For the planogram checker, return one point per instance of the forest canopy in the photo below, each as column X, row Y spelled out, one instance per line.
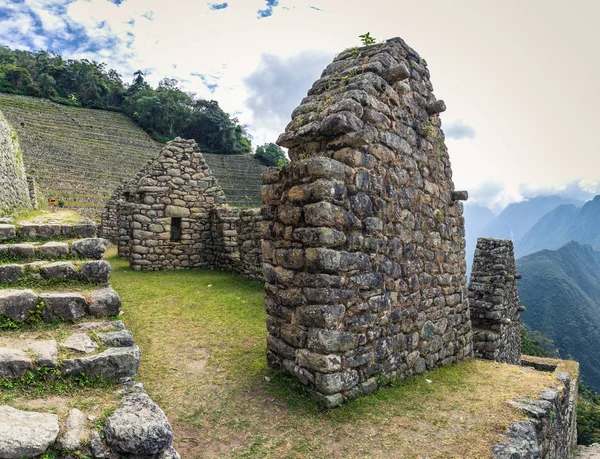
column 164, row 112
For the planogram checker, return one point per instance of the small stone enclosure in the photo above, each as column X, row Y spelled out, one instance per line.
column 364, row 254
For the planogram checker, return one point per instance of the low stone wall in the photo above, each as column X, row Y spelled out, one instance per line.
column 494, row 302
column 551, row 430
column 14, row 189
column 250, row 236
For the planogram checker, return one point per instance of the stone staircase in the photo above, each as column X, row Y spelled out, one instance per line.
column 59, row 323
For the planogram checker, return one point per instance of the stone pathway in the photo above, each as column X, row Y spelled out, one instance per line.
column 81, row 342
column 588, row 452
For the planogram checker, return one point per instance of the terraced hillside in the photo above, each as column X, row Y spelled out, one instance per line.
column 76, row 154
column 240, row 177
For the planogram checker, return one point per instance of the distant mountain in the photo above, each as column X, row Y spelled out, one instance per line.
column 563, row 224
column 477, row 217
column 561, row 290
column 517, row 218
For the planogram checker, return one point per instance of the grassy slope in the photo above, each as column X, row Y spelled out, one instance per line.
column 202, row 335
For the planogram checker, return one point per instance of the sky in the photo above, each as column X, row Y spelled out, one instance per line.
column 518, row 76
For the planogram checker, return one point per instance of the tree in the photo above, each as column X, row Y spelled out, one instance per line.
column 47, row 84
column 270, row 154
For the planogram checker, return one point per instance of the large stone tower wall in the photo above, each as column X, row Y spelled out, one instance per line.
column 364, row 251
column 494, row 302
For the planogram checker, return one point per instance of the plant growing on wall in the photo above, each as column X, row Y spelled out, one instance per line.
column 367, row 39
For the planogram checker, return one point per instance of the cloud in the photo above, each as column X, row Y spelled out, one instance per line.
column 278, row 85
column 268, row 11
column 459, row 130
column 218, row 6
column 583, row 190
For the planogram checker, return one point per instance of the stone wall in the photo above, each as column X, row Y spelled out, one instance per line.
column 364, row 246
column 551, row 430
column 14, row 190
column 494, row 302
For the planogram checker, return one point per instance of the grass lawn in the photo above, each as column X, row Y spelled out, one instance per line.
column 203, row 341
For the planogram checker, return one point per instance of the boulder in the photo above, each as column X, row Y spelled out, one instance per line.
column 13, row 363
column 97, row 271
column 63, row 306
column 105, row 302
column 113, row 364
column 45, row 352
column 90, row 248
column 7, row 232
column 25, row 434
column 10, row 273
column 17, row 304
column 71, row 438
column 121, row 338
column 28, row 230
column 22, row 250
column 80, row 342
column 138, row 426
column 60, row 270
column 54, row 249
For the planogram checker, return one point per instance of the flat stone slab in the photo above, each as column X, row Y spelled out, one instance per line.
column 45, row 352
column 105, row 325
column 14, row 363
column 80, row 342
column 7, row 232
column 113, row 364
column 71, row 439
column 26, row 434
column 60, row 270
column 63, row 306
column 121, row 338
column 54, row 249
column 16, row 304
column 10, row 273
column 22, row 250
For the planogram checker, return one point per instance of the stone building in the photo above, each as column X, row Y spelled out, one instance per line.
column 494, row 302
column 364, row 251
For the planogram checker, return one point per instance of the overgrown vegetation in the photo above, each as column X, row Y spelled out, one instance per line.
column 534, row 342
column 164, row 112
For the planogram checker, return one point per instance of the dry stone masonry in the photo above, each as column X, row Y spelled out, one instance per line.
column 364, row 252
column 494, row 302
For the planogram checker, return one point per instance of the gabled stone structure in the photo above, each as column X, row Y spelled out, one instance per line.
column 494, row 302
column 364, row 252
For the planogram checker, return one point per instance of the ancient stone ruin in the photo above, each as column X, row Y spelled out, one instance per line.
column 365, row 251
column 494, row 302
column 172, row 216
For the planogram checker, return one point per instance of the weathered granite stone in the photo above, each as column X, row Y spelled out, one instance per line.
column 107, row 325
column 22, row 250
column 17, row 304
column 59, row 270
column 104, row 302
column 97, row 271
column 121, row 338
column 99, row 448
column 70, row 440
column 10, row 273
column 25, row 433
column 90, row 248
column 13, row 363
column 54, row 249
column 80, row 342
column 85, row 230
column 45, row 352
column 138, row 426
column 63, row 306
column 7, row 232
column 112, row 364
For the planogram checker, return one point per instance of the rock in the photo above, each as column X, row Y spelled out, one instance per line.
column 87, row 230
column 10, row 273
column 121, row 338
column 25, row 434
column 28, row 230
column 54, row 249
column 80, row 342
column 113, row 324
column 60, row 270
column 138, row 426
column 17, row 304
column 436, row 107
column 90, row 248
column 112, row 364
column 48, row 230
column 13, row 363
column 63, row 306
column 45, row 352
column 22, row 250
column 105, row 302
column 71, row 439
column 169, row 453
column 97, row 271
column 99, row 449
column 7, row 232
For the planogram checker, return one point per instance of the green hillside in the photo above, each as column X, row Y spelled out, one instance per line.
column 561, row 290
column 77, row 154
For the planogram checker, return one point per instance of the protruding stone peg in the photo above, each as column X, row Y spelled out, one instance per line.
column 395, row 74
column 436, row 107
column 521, row 308
column 461, row 195
column 518, row 276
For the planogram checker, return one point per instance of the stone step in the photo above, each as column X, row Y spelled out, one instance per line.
column 42, row 231
column 92, row 272
column 21, row 305
column 92, row 248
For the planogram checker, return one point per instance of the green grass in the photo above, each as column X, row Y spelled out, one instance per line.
column 202, row 335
